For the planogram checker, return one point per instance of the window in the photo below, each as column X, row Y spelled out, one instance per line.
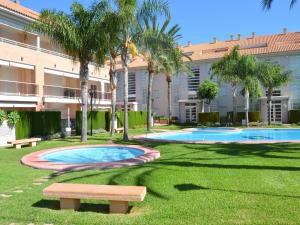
column 194, row 80
column 131, row 87
column 275, row 93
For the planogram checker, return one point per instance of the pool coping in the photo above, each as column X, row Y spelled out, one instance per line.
column 35, row 161
column 143, row 137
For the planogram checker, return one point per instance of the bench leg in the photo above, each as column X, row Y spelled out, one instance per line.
column 18, row 146
column 118, row 207
column 68, row 203
column 32, row 144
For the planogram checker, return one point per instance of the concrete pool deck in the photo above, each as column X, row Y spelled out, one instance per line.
column 35, row 160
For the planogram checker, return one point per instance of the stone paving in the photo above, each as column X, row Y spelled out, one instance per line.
column 36, row 182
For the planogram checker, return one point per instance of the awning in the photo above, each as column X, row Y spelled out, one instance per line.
column 16, row 105
column 21, row 65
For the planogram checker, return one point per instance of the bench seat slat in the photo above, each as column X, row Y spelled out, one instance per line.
column 101, row 192
column 24, row 141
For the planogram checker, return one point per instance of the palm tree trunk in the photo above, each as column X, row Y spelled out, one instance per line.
column 113, row 86
column 234, row 108
column 202, row 106
column 125, row 133
column 84, row 71
column 208, row 107
column 149, row 100
column 169, row 101
column 247, row 106
column 270, row 91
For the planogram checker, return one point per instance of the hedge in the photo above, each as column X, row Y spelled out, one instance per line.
column 135, row 119
column 209, row 117
column 100, row 120
column 38, row 124
column 229, row 117
column 253, row 116
column 294, row 116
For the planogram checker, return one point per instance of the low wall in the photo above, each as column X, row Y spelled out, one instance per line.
column 6, row 133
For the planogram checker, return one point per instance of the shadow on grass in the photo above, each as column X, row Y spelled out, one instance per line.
column 194, row 187
column 84, row 207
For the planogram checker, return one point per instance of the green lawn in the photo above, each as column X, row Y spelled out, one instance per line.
column 188, row 185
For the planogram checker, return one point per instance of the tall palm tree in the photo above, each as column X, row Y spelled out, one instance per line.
column 155, row 44
column 267, row 4
column 271, row 76
column 245, row 67
column 225, row 71
column 129, row 13
column 81, row 35
column 112, row 28
column 174, row 63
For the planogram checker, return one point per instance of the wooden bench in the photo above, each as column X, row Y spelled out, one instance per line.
column 118, row 196
column 18, row 143
column 119, row 130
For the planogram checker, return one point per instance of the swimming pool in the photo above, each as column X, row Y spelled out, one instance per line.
column 90, row 157
column 227, row 135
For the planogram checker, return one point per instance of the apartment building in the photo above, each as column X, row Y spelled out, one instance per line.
column 283, row 48
column 35, row 74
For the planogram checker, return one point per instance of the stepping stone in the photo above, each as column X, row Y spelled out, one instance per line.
column 12, row 224
column 48, row 224
column 37, row 183
column 18, row 191
column 5, row 196
column 40, row 180
column 30, row 224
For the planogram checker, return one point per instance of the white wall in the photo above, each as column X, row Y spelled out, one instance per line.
column 6, row 134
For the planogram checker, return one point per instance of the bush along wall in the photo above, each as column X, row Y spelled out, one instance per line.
column 100, row 120
column 38, row 124
column 135, row 119
column 253, row 116
column 209, row 118
column 294, row 116
column 229, row 117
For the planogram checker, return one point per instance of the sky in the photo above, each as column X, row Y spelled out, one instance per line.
column 201, row 20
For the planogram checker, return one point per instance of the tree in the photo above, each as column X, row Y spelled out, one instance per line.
column 245, row 67
column 153, row 43
column 112, row 31
column 174, row 63
column 267, row 4
column 271, row 76
column 81, row 35
column 129, row 13
column 224, row 70
column 208, row 91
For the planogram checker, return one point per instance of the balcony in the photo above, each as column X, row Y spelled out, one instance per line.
column 59, row 94
column 18, row 91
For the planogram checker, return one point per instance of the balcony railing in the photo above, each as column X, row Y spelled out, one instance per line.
column 61, row 92
column 16, row 88
column 32, row 47
column 71, row 93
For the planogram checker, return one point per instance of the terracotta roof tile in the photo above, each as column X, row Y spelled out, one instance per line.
column 19, row 9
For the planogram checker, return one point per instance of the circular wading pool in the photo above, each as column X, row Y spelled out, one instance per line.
column 90, row 157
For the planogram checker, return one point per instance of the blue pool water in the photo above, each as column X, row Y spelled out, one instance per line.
column 230, row 135
column 93, row 155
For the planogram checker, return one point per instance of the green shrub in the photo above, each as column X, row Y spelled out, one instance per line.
column 135, row 119
column 2, row 116
column 294, row 116
column 12, row 118
column 253, row 116
column 229, row 117
column 209, row 118
column 38, row 124
column 100, row 120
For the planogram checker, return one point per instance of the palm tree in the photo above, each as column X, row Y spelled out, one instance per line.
column 225, row 71
column 268, row 3
column 245, row 67
column 173, row 64
column 155, row 44
column 129, row 13
column 81, row 35
column 112, row 28
column 271, row 76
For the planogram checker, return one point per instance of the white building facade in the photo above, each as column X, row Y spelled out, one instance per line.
column 281, row 48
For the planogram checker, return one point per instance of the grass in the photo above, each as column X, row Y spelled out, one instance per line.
column 188, row 185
